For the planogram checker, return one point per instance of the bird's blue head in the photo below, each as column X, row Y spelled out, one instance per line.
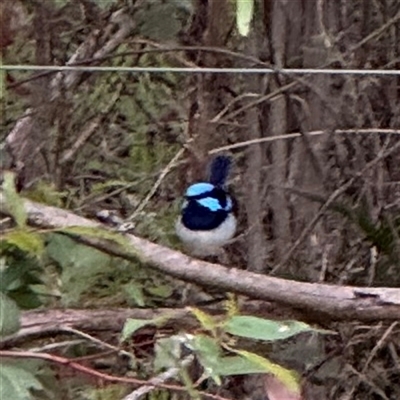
column 207, row 195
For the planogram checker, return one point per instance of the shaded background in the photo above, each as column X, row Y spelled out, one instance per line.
column 94, row 141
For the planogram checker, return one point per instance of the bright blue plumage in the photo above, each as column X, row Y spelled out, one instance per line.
column 211, row 203
column 207, row 221
column 199, row 188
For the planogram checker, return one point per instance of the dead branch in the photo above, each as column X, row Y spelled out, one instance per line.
column 50, row 322
column 320, row 300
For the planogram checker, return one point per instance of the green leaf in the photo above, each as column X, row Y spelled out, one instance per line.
column 167, row 352
column 67, row 253
column 264, row 329
column 134, row 292
column 132, row 325
column 60, row 3
column 18, row 278
column 244, row 15
column 209, row 352
column 289, row 378
column 81, row 266
column 15, row 203
column 11, row 277
column 237, row 365
column 163, row 291
column 9, row 318
column 31, row 242
column 17, row 382
column 25, row 298
column 207, row 321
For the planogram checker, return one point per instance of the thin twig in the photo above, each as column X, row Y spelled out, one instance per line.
column 252, row 104
column 287, row 136
column 56, row 346
column 379, row 345
column 153, row 382
column 89, row 371
column 201, row 70
column 97, row 341
column 156, row 185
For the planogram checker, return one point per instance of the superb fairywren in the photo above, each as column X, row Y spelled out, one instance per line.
column 207, row 221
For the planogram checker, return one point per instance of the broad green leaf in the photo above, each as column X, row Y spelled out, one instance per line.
column 68, row 253
column 9, row 277
column 244, row 15
column 81, row 266
column 17, row 382
column 167, row 352
column 289, row 378
column 209, row 352
column 99, row 233
column 237, row 365
column 132, row 325
column 15, row 203
column 26, row 298
column 205, row 345
column 18, row 278
column 207, row 321
column 31, row 242
column 264, row 329
column 9, row 317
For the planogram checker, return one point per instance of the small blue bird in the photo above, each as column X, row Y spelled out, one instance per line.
column 207, row 221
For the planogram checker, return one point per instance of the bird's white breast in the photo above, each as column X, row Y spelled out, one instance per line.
column 204, row 243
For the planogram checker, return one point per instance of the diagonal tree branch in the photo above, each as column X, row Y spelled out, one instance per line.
column 319, row 300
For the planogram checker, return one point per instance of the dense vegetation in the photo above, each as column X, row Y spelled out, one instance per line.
column 316, row 176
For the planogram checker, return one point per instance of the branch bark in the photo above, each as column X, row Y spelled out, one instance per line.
column 317, row 300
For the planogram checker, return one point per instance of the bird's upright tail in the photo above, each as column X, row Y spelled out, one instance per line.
column 219, row 170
